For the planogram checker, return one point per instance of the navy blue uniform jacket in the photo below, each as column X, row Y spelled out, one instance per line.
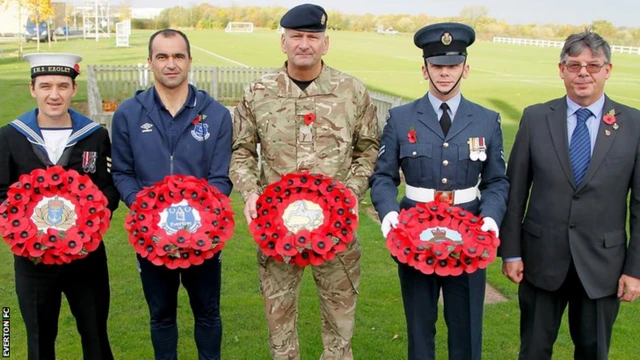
column 143, row 153
column 423, row 162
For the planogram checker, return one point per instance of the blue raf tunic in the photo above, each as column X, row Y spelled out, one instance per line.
column 440, row 163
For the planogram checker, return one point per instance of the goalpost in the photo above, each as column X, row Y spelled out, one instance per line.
column 237, row 26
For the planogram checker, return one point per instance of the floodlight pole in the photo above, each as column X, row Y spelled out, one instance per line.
column 96, row 24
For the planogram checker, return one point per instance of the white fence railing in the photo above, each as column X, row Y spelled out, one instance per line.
column 551, row 43
column 113, row 84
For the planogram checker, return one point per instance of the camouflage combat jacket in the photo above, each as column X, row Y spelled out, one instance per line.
column 341, row 142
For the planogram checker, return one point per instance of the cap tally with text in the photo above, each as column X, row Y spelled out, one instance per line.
column 305, row 17
column 444, row 43
column 54, row 64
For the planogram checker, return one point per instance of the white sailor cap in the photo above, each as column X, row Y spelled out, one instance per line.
column 54, row 64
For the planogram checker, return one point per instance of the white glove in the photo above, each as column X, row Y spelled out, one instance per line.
column 490, row 225
column 390, row 221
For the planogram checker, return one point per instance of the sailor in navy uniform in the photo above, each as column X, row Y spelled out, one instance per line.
column 447, row 147
column 53, row 134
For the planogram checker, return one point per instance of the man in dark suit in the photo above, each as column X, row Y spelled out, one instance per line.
column 572, row 165
column 433, row 140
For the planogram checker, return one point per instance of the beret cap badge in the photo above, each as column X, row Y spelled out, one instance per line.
column 323, row 19
column 446, row 38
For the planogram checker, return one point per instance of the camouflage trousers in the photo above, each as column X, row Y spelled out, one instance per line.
column 337, row 283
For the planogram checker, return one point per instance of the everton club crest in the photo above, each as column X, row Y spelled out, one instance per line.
column 200, row 131
column 54, row 212
column 179, row 216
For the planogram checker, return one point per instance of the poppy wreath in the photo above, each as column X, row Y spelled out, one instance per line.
column 304, row 219
column 54, row 216
column 436, row 237
column 179, row 221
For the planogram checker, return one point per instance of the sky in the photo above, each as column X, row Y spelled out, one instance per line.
column 573, row 12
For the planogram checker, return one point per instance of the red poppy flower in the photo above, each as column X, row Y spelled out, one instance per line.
column 92, row 242
column 286, row 248
column 309, row 119
column 19, row 249
column 35, row 248
column 200, row 242
column 25, row 235
column 609, row 119
column 70, row 246
column 412, row 136
column 196, row 120
column 470, row 263
column 302, row 259
column 322, row 245
column 165, row 247
column 56, row 175
column 329, row 256
column 339, row 247
column 81, row 186
column 18, row 195
column 76, row 67
column 428, row 265
column 314, row 258
column 456, row 267
column 197, row 257
column 269, row 249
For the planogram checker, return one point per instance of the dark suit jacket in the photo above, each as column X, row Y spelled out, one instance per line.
column 562, row 222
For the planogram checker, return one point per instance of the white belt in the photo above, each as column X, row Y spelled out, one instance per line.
column 454, row 197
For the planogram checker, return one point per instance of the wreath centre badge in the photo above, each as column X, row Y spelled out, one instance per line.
column 439, row 234
column 54, row 212
column 178, row 217
column 302, row 215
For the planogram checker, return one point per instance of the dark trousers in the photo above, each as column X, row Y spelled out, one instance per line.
column 202, row 283
column 85, row 284
column 590, row 320
column 463, row 311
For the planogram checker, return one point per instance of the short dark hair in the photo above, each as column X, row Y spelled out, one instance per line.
column 169, row 33
column 576, row 43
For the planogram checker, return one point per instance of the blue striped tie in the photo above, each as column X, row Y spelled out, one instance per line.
column 580, row 148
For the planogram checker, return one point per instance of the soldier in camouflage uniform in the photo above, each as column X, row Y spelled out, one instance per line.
column 342, row 143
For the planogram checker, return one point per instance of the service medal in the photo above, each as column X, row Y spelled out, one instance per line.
column 474, row 155
column 483, row 149
column 482, row 156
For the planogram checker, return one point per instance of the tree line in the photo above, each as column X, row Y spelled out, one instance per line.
column 207, row 16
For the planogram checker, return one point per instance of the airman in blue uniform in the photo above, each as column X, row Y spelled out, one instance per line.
column 450, row 148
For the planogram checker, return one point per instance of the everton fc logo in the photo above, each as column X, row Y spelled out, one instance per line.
column 200, row 132
column 179, row 216
column 56, row 212
column 89, row 161
column 438, row 235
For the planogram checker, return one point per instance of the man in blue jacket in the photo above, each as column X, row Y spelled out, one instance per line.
column 173, row 128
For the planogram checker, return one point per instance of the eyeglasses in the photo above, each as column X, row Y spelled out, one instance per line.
column 577, row 67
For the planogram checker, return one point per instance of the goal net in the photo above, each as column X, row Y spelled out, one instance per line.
column 243, row 27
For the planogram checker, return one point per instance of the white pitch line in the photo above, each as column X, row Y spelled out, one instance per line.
column 220, row 56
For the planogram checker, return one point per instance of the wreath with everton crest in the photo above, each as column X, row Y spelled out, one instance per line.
column 304, row 219
column 179, row 222
column 54, row 216
column 436, row 237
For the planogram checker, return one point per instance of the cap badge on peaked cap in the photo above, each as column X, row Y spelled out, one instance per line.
column 446, row 38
